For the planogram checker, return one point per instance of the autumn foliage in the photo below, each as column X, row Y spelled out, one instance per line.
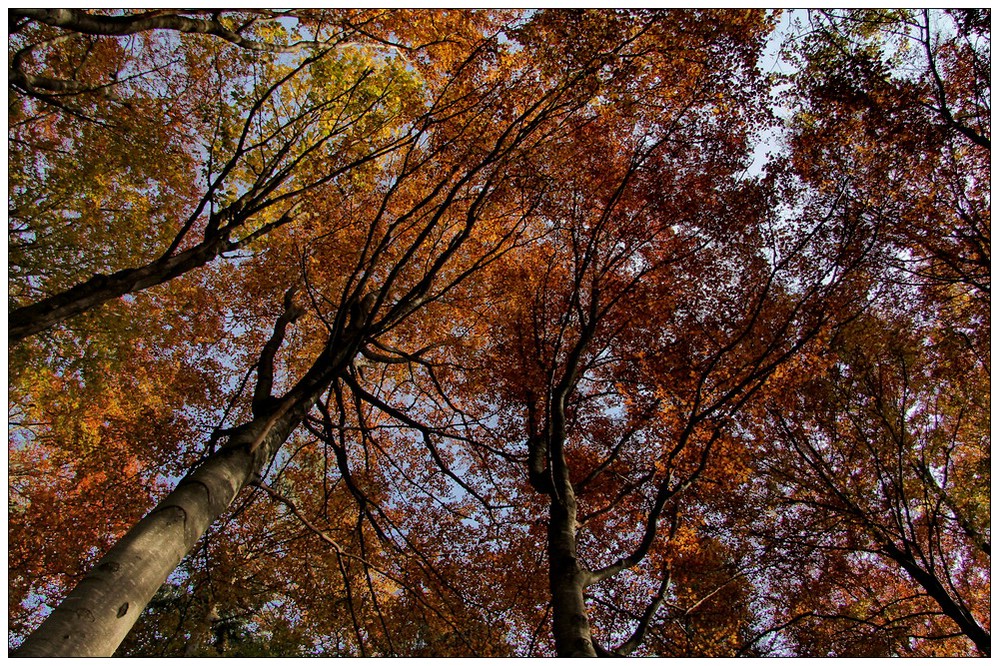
column 499, row 333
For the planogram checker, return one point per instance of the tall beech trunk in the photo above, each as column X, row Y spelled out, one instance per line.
column 97, row 615
column 99, row 289
column 567, row 579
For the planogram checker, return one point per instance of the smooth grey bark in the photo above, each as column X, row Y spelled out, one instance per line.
column 97, row 615
column 94, row 619
column 566, row 576
column 30, row 319
column 567, row 580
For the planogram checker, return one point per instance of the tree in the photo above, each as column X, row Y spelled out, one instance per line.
column 885, row 458
column 603, row 317
column 894, row 109
column 419, row 224
column 265, row 136
column 492, row 333
column 902, row 140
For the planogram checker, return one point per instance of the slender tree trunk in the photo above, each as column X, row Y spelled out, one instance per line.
column 89, row 24
column 94, row 619
column 567, row 580
column 48, row 312
column 957, row 612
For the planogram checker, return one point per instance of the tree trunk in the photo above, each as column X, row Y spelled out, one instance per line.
column 957, row 612
column 48, row 312
column 571, row 625
column 94, row 619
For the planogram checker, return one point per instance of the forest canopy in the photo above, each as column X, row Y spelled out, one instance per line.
column 339, row 332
